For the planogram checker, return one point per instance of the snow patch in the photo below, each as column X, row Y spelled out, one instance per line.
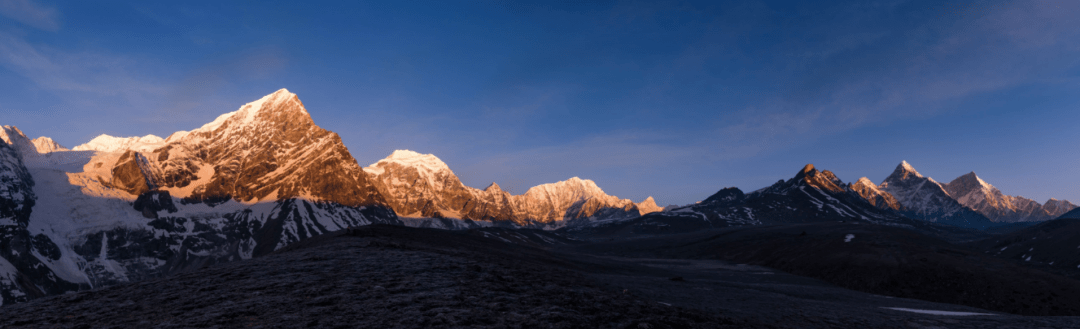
column 935, row 312
column 847, row 238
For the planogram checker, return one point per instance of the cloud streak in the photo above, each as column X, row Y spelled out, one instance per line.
column 31, row 13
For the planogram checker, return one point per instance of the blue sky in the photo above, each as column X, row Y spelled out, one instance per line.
column 670, row 99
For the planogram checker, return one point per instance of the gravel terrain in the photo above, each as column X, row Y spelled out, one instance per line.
column 399, row 277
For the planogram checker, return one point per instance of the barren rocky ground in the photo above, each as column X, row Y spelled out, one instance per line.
column 398, row 277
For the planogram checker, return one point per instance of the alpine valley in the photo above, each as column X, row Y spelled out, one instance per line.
column 266, row 177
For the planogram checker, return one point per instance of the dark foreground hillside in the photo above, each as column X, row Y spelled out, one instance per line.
column 399, row 277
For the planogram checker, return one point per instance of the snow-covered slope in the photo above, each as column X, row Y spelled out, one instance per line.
column 106, row 143
column 423, row 186
column 972, row 191
column 24, row 253
column 122, row 210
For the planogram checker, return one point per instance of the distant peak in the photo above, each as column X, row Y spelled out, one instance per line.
column 904, row 170
column 585, row 186
column 47, row 145
column 107, row 143
column 806, row 171
column 648, row 206
column 414, row 159
column 865, row 181
column 971, row 180
column 493, row 187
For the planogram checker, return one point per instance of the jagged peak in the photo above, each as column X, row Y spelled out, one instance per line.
column 493, row 188
column 648, row 206
column 906, row 166
column 408, row 158
column 248, row 113
column 866, row 181
column 971, row 179
column 904, row 171
column 18, row 140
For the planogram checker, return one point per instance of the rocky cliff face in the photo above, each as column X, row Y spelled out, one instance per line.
column 126, row 209
column 421, row 185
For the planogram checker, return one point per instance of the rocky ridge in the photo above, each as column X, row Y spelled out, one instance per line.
column 972, row 191
column 924, row 198
column 810, row 196
column 422, row 185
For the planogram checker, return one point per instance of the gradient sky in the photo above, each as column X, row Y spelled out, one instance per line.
column 670, row 99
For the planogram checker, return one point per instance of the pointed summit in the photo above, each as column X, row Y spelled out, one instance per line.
column 904, row 171
column 825, row 180
column 281, row 108
column 968, row 182
column 493, row 188
column 648, row 206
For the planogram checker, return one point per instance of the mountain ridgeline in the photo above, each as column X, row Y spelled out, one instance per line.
column 265, row 176
column 422, row 187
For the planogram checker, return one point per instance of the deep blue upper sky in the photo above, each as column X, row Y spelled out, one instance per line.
column 674, row 99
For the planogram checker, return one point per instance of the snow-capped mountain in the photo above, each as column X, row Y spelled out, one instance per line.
column 972, row 191
column 121, row 210
column 810, row 196
column 421, row 185
column 924, row 198
column 106, row 143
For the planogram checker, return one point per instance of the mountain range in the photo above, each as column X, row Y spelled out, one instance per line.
column 255, row 180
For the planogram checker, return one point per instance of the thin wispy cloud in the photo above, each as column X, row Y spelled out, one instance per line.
column 31, row 13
